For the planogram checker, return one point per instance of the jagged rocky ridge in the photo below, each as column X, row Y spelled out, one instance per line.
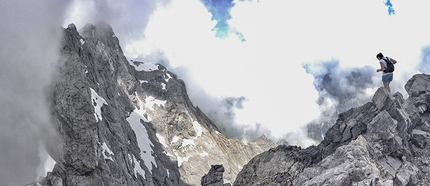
column 124, row 122
column 383, row 142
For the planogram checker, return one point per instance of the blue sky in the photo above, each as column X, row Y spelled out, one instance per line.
column 389, row 5
column 220, row 10
column 279, row 60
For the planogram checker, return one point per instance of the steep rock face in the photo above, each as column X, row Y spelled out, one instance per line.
column 93, row 105
column 187, row 135
column 384, row 142
column 126, row 122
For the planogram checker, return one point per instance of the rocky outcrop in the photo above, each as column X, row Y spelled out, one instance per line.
column 124, row 122
column 214, row 177
column 384, row 142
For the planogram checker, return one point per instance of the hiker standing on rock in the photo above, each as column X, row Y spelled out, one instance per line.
column 387, row 69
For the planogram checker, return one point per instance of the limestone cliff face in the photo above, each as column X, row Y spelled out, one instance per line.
column 124, row 122
column 384, row 142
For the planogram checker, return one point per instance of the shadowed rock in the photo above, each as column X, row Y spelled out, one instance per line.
column 214, row 177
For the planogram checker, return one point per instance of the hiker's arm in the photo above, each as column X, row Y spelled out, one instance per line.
column 393, row 60
column 382, row 67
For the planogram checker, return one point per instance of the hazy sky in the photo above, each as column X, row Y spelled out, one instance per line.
column 255, row 67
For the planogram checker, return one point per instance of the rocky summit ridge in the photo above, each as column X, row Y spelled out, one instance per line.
column 123, row 122
column 383, row 142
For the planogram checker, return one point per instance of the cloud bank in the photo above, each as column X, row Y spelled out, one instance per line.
column 296, row 64
column 30, row 36
column 127, row 17
column 339, row 89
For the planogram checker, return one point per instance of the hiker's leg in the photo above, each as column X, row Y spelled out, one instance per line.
column 390, row 78
column 386, row 79
column 387, row 86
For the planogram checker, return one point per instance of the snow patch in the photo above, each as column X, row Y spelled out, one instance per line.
column 203, row 154
column 199, row 131
column 181, row 160
column 47, row 163
column 151, row 101
column 141, row 111
column 164, row 86
column 189, row 142
column 137, row 168
column 141, row 66
column 107, row 153
column 168, row 77
column 186, row 142
column 168, row 154
column 197, row 128
column 149, row 118
column 162, row 140
column 97, row 102
column 143, row 81
column 142, row 138
column 175, row 139
column 82, row 41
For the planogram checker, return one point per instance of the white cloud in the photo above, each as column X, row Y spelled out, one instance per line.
column 280, row 36
column 257, row 69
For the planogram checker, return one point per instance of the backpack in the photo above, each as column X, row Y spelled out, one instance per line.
column 390, row 66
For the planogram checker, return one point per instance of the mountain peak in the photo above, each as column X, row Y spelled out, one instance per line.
column 130, row 123
column 263, row 138
column 96, row 30
column 103, row 32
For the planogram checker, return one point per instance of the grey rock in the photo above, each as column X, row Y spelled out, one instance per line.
column 420, row 138
column 214, row 177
